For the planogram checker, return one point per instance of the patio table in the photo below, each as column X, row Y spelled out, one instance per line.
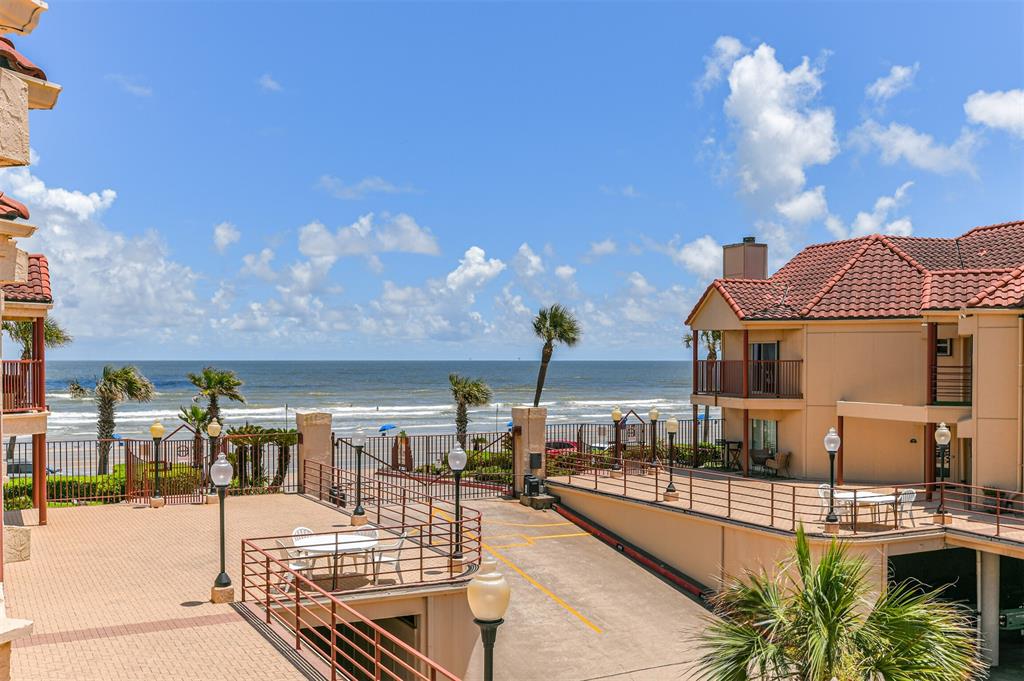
column 335, row 545
column 872, row 499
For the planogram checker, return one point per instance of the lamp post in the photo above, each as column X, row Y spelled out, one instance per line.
column 221, row 473
column 157, row 432
column 213, row 429
column 671, row 428
column 653, row 416
column 457, row 462
column 488, row 594
column 359, row 513
column 832, row 443
column 617, row 462
column 942, row 438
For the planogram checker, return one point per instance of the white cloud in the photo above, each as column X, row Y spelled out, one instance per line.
column 340, row 189
column 901, row 142
column 225, row 234
column 268, row 83
column 474, row 270
column 130, row 85
column 366, row 236
column 724, row 54
column 259, row 265
column 628, row 191
column 1000, row 110
column 223, row 296
column 898, row 79
column 779, row 132
column 702, row 256
column 106, row 284
column 527, row 263
column 877, row 221
column 601, row 248
column 802, row 208
column 565, row 272
column 638, row 284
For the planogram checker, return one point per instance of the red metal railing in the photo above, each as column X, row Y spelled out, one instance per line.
column 861, row 510
column 765, row 378
column 951, row 384
column 354, row 646
column 21, row 386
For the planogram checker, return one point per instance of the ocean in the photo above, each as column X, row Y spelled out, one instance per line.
column 412, row 395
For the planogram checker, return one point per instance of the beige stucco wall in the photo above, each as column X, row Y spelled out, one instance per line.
column 13, row 120
column 996, row 401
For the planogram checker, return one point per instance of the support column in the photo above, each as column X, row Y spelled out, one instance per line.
column 929, row 459
column 746, row 441
column 314, row 443
column 746, row 364
column 530, row 423
column 839, row 454
column 695, row 354
column 990, row 607
column 39, row 474
column 930, row 350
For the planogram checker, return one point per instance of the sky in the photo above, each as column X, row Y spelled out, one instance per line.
column 227, row 180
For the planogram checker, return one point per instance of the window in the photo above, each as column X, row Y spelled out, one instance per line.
column 944, row 347
column 764, row 435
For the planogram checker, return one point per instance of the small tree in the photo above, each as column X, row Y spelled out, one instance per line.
column 213, row 384
column 116, row 385
column 467, row 392
column 54, row 336
column 555, row 324
column 197, row 419
column 712, row 340
column 817, row 622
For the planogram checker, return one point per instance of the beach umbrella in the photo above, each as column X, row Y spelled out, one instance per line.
column 509, row 424
column 386, row 427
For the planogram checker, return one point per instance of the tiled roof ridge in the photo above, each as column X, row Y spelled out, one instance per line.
column 972, row 270
column 900, row 252
column 834, row 279
column 1003, row 281
column 995, row 226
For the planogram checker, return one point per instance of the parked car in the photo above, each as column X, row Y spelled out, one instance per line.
column 555, row 448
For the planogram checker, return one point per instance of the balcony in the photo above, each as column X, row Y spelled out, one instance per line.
column 951, row 385
column 774, row 378
column 21, row 381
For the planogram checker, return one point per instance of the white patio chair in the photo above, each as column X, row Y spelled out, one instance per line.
column 904, row 504
column 839, row 504
column 301, row 531
column 389, row 553
column 297, row 562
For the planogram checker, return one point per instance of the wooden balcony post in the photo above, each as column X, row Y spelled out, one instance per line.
column 746, row 364
column 746, row 438
column 695, row 449
column 39, row 370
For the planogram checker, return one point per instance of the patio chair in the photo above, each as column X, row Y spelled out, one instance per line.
column 389, row 553
column 778, row 464
column 370, row 532
column 839, row 504
column 297, row 562
column 904, row 504
column 301, row 531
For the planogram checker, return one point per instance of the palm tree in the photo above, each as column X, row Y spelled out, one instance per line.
column 555, row 324
column 116, row 385
column 54, row 336
column 213, row 384
column 712, row 340
column 467, row 392
column 812, row 622
column 197, row 419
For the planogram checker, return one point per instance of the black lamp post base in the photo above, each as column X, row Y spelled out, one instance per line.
column 222, row 580
column 488, row 635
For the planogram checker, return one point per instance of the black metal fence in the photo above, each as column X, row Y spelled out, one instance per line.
column 639, row 440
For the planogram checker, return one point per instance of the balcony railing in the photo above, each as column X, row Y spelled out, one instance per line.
column 21, row 386
column 764, row 378
column 951, row 384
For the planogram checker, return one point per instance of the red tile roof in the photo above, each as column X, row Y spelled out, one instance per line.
column 887, row 277
column 36, row 289
column 16, row 61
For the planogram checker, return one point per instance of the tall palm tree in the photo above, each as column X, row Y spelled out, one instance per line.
column 812, row 622
column 54, row 336
column 116, row 385
column 467, row 392
column 197, row 418
column 712, row 340
column 555, row 324
column 213, row 384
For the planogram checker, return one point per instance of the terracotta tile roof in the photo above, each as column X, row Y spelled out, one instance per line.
column 36, row 289
column 884, row 276
column 11, row 208
column 16, row 61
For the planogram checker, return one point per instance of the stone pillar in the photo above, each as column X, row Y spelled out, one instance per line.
column 14, row 110
column 990, row 607
column 315, row 443
column 530, row 423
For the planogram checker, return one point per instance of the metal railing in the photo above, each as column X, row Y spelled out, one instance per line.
column 354, row 646
column 636, row 437
column 21, row 389
column 774, row 378
column 784, row 505
column 951, row 384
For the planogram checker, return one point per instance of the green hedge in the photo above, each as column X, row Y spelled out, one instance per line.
column 110, row 488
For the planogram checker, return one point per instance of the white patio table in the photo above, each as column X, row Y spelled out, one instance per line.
column 335, row 545
column 865, row 498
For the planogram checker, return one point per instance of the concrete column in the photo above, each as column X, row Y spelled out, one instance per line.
column 990, row 607
column 530, row 423
column 314, row 441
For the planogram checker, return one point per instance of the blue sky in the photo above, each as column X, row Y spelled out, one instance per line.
column 344, row 181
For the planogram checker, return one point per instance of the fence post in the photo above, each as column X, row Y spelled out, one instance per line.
column 793, row 517
column 334, row 638
column 853, row 512
column 690, row 495
column 728, row 497
column 267, row 585
column 771, row 521
column 298, row 618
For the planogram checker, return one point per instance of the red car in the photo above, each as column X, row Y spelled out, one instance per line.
column 554, row 448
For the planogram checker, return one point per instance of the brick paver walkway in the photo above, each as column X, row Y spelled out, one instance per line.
column 121, row 592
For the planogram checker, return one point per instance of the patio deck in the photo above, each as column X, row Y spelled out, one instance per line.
column 785, row 504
